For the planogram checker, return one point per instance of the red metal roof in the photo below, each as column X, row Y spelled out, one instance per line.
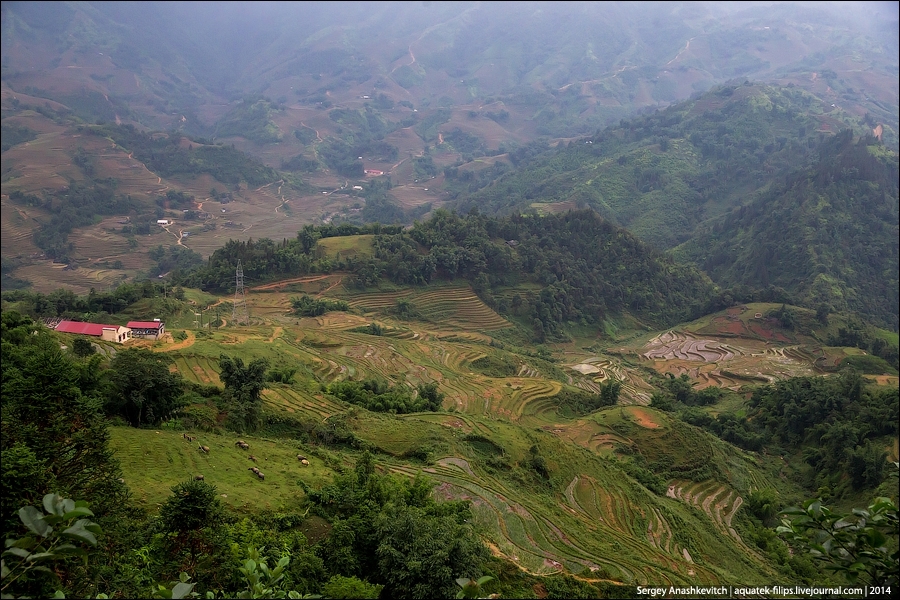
column 145, row 324
column 84, row 328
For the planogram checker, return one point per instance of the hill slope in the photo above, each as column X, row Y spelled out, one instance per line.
column 827, row 233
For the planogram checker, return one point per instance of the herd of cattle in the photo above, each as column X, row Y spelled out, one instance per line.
column 243, row 446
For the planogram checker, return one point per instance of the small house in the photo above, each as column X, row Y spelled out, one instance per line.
column 109, row 333
column 162, row 222
column 153, row 330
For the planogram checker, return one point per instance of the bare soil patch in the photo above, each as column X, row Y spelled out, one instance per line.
column 643, row 418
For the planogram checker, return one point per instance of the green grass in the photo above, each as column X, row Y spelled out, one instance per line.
column 155, row 460
column 344, row 246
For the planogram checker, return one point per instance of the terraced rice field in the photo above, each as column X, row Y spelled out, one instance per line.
column 540, row 538
column 598, row 370
column 685, row 346
column 17, row 226
column 292, row 400
column 456, row 307
column 719, row 502
column 198, row 369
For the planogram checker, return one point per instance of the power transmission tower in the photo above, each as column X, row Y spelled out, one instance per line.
column 241, row 314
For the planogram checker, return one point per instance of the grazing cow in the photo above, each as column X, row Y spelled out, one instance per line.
column 204, row 449
column 251, row 457
column 301, row 457
column 245, row 446
column 198, row 478
column 304, row 462
column 254, row 469
column 260, row 475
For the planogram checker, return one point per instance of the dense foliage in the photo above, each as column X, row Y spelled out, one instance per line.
column 379, row 396
column 585, row 265
column 307, row 306
column 167, row 155
column 834, row 423
column 96, row 305
column 661, row 174
column 580, row 402
column 141, row 388
column 54, row 434
column 828, row 233
column 392, row 531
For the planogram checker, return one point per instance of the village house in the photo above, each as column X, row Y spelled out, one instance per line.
column 154, row 329
column 109, row 333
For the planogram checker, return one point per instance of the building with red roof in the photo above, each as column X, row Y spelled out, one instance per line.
column 110, row 333
column 154, row 329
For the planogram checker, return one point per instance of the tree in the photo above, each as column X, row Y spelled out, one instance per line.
column 50, row 538
column 82, row 347
column 54, row 435
column 609, row 392
column 142, row 389
column 243, row 388
column 421, row 556
column 862, row 546
column 430, row 394
column 191, row 517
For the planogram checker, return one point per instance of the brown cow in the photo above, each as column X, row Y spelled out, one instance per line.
column 304, row 462
column 204, row 449
column 251, row 457
column 198, row 478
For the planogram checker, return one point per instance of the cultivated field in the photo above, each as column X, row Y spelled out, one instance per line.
column 588, row 518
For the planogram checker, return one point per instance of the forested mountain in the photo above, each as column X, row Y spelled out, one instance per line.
column 828, row 233
column 662, row 174
column 585, row 266
column 752, row 184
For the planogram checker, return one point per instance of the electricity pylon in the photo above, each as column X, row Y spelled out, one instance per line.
column 241, row 313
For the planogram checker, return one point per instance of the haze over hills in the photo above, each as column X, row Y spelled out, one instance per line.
column 575, row 295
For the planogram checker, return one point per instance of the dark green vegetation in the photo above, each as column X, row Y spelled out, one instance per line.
column 307, row 306
column 827, row 233
column 395, row 528
column 13, row 135
column 378, row 396
column 746, row 185
column 167, row 155
column 250, row 119
column 836, row 425
column 588, row 267
column 862, row 546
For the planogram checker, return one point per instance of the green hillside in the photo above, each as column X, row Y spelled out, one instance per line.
column 660, row 175
column 554, row 466
column 827, row 233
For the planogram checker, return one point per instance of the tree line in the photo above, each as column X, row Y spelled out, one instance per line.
column 586, row 266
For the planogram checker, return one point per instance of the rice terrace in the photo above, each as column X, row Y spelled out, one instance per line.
column 587, row 519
